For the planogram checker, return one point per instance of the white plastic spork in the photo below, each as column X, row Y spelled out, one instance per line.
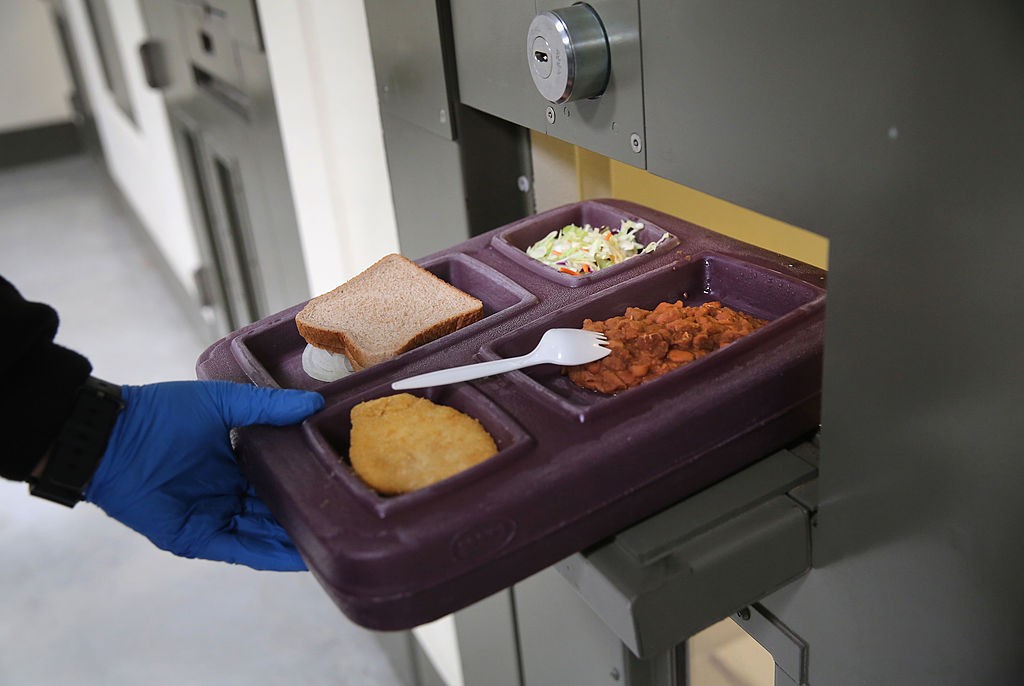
column 566, row 347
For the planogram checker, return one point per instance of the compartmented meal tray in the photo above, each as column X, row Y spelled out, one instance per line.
column 573, row 466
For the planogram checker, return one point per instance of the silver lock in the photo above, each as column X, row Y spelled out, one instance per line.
column 567, row 50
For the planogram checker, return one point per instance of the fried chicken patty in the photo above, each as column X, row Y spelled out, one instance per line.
column 400, row 443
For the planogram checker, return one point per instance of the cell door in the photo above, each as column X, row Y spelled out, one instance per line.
column 209, row 62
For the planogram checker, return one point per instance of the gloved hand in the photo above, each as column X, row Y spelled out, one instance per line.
column 170, row 474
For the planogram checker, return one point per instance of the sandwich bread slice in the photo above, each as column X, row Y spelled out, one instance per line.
column 393, row 306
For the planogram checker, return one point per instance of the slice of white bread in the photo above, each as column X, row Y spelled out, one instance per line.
column 393, row 306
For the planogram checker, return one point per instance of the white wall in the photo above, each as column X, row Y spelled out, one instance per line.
column 324, row 87
column 322, row 72
column 140, row 155
column 34, row 84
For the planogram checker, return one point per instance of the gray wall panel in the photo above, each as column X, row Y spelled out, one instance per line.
column 409, row 64
column 427, row 183
column 490, row 50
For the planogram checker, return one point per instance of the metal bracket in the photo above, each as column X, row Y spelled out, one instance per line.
column 662, row 580
column 154, row 65
column 787, row 649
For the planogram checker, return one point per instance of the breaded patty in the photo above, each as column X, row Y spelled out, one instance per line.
column 402, row 442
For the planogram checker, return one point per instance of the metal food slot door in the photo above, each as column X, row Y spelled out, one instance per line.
column 889, row 130
column 209, row 61
column 621, row 611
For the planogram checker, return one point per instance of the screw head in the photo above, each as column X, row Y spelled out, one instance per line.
column 636, row 143
column 523, row 183
column 744, row 614
column 549, row 114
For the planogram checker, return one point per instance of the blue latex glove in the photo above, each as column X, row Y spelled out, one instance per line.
column 170, row 474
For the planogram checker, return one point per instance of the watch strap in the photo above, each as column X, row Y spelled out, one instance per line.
column 80, row 444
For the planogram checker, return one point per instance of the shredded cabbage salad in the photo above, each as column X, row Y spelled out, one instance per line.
column 580, row 250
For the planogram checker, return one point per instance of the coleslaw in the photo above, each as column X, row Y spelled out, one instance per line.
column 580, row 250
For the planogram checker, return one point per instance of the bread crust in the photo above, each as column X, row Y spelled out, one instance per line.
column 339, row 342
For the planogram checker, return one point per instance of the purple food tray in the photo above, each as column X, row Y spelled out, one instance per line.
column 573, row 466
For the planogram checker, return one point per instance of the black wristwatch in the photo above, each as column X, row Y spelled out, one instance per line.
column 80, row 444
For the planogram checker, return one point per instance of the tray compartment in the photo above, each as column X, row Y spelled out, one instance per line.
column 750, row 288
column 513, row 241
column 271, row 354
column 328, row 433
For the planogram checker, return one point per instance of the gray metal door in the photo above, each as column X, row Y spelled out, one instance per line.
column 230, row 275
column 209, row 61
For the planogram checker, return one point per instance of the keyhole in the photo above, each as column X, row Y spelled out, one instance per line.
column 207, row 42
column 541, row 57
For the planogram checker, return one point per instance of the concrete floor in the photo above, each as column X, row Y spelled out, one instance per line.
column 86, row 600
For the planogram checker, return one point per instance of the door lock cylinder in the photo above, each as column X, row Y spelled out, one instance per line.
column 567, row 50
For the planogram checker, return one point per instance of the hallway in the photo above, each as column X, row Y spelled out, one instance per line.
column 87, row 600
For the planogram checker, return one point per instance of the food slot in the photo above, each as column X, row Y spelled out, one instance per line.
column 573, row 465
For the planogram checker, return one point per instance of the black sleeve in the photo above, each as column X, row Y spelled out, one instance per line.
column 39, row 381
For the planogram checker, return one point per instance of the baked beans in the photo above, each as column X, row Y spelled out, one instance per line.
column 648, row 343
